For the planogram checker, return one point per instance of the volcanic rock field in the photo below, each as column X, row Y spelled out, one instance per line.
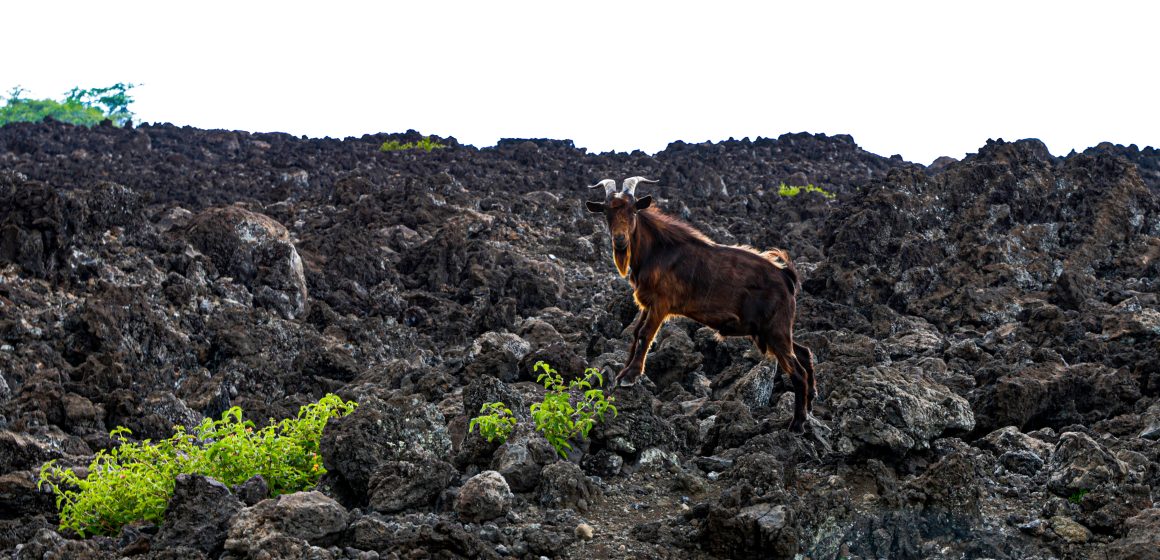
column 986, row 335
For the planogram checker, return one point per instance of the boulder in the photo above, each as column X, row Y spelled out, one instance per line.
column 257, row 252
column 564, row 485
column 484, row 496
column 881, row 406
column 1081, row 464
column 287, row 522
column 410, row 483
column 355, row 447
column 198, row 516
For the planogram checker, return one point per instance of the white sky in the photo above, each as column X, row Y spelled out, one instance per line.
column 921, row 79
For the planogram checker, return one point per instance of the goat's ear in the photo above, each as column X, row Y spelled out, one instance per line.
column 643, row 202
column 595, row 207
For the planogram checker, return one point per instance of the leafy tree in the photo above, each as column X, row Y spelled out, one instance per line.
column 86, row 107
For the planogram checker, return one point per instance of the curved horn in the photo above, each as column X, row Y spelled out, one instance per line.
column 629, row 185
column 608, row 184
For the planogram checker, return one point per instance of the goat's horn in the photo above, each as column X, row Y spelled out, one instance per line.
column 609, row 186
column 629, row 185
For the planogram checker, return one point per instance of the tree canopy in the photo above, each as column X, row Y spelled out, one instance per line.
column 85, row 107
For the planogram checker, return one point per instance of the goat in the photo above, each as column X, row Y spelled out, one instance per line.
column 675, row 269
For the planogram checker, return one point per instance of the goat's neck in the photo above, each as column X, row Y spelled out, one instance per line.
column 642, row 243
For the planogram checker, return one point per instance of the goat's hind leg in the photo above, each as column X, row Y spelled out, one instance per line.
column 782, row 348
column 805, row 359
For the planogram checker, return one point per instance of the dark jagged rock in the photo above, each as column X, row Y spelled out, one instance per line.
column 255, row 250
column 377, row 436
column 564, row 485
column 403, row 485
column 287, row 523
column 198, row 516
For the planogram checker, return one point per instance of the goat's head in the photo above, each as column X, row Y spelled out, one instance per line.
column 620, row 207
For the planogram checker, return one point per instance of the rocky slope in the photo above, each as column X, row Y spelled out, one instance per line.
column 986, row 334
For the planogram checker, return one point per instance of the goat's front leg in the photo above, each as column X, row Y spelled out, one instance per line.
column 650, row 323
column 640, row 321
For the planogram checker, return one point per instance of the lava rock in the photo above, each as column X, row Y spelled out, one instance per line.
column 286, row 524
column 754, row 388
column 198, row 515
column 497, row 355
column 880, row 406
column 1142, row 541
column 564, row 485
column 253, row 490
column 257, row 251
column 355, row 447
column 484, row 496
column 1080, row 464
column 407, row 484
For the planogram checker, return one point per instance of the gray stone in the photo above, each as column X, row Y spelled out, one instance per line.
column 1081, row 464
column 408, row 484
column 257, row 252
column 484, row 496
column 755, row 387
column 521, row 459
column 287, row 522
column 564, row 485
column 496, row 355
column 253, row 490
column 880, row 406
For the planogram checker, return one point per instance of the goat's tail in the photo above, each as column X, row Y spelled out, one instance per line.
column 780, row 259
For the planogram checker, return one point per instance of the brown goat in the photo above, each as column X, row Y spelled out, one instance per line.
column 676, row 270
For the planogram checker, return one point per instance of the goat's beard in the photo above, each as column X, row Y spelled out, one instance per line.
column 621, row 260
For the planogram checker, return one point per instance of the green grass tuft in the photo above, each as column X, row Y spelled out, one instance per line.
column 792, row 191
column 426, row 144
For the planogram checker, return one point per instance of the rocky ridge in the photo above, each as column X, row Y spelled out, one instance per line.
column 986, row 334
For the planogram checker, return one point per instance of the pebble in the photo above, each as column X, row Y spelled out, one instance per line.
column 584, row 531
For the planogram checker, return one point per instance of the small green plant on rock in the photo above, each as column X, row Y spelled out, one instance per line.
column 792, row 191
column 557, row 418
column 568, row 410
column 497, row 424
column 426, row 144
column 1077, row 498
column 135, row 480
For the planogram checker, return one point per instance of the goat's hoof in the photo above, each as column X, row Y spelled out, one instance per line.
column 797, row 426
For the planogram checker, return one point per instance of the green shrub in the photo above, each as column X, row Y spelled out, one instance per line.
column 792, row 191
column 135, row 481
column 86, row 107
column 563, row 414
column 425, row 144
column 497, row 424
column 1077, row 498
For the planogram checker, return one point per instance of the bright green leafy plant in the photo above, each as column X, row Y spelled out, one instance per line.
column 568, row 410
column 496, row 424
column 426, row 144
column 135, row 480
column 792, row 191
